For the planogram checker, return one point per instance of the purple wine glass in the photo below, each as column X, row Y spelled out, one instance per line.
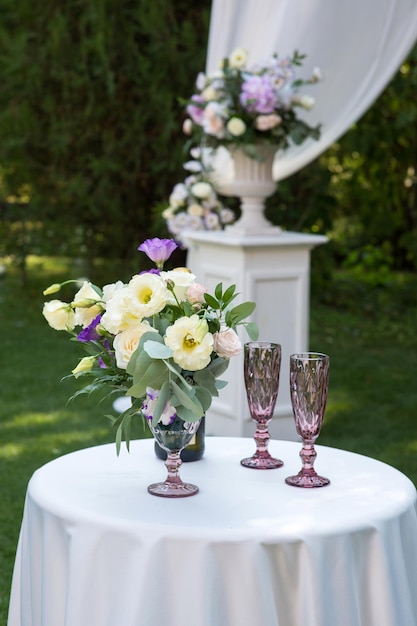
column 309, row 382
column 261, row 367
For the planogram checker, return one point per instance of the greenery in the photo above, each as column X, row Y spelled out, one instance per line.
column 368, row 333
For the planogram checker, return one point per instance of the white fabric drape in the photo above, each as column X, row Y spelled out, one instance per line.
column 358, row 46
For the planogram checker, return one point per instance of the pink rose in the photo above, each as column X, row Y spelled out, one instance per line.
column 266, row 122
column 195, row 294
column 227, row 343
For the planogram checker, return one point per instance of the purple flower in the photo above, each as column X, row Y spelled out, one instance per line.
column 196, row 112
column 258, row 95
column 158, row 250
column 89, row 333
column 153, row 270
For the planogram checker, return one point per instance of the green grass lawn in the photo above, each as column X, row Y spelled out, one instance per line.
column 370, row 335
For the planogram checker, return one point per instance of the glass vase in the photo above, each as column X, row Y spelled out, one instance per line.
column 173, row 439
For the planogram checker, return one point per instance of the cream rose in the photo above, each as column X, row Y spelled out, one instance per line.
column 201, row 190
column 236, row 126
column 59, row 315
column 126, row 342
column 195, row 294
column 226, row 343
column 191, row 342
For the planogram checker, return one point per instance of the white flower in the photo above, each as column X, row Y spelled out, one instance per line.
column 191, row 342
column 227, row 216
column 193, row 166
column 212, row 221
column 238, row 58
column 317, row 74
column 147, row 295
column 59, row 315
column 87, row 305
column 236, row 126
column 182, row 279
column 201, row 190
column 187, row 127
column 226, row 343
column 169, row 412
column 209, row 93
column 179, row 195
column 126, row 342
column 110, row 289
column 307, row 102
column 195, row 210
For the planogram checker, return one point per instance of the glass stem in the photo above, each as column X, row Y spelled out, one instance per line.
column 172, row 463
column 308, row 456
column 262, row 438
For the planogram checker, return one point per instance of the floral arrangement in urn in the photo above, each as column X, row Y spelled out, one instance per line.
column 194, row 204
column 247, row 105
column 161, row 339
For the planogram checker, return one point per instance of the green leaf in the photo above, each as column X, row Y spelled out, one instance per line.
column 205, row 378
column 163, row 398
column 218, row 366
column 218, row 291
column 242, row 311
column 211, row 301
column 221, row 384
column 153, row 376
column 252, row 330
column 187, row 415
column 205, row 397
column 186, row 401
column 157, row 350
column 229, row 294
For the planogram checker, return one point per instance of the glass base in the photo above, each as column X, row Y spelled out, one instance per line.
column 307, row 480
column 170, row 490
column 263, row 463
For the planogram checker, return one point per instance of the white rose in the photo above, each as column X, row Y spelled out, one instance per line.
column 59, row 315
column 182, row 279
column 227, row 343
column 236, row 126
column 126, row 342
column 201, row 190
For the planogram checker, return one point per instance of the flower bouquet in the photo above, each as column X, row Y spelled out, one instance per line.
column 247, row 106
column 194, row 204
column 161, row 339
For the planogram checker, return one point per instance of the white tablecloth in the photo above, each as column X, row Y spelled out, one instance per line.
column 96, row 549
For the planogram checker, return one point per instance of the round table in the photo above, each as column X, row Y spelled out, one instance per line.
column 96, row 549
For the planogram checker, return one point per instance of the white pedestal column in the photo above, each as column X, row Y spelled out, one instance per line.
column 274, row 272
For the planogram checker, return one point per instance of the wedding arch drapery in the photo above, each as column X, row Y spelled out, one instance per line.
column 357, row 45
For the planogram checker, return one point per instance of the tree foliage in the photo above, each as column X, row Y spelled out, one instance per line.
column 89, row 115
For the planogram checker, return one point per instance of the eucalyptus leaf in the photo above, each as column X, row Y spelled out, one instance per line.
column 157, row 350
column 218, row 366
column 204, row 397
column 252, row 330
column 162, row 399
column 186, row 401
column 187, row 415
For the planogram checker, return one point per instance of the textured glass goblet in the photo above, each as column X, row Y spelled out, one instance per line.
column 173, row 439
column 261, row 367
column 309, row 382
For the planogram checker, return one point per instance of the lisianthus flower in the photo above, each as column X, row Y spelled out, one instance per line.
column 258, row 95
column 87, row 304
column 182, row 278
column 126, row 342
column 85, row 365
column 59, row 315
column 147, row 295
column 148, row 407
column 89, row 333
column 158, row 250
column 191, row 342
column 238, row 58
column 236, row 126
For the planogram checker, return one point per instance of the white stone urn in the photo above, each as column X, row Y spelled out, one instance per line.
column 252, row 182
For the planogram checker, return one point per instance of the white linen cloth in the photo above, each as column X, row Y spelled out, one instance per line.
column 97, row 550
column 358, row 46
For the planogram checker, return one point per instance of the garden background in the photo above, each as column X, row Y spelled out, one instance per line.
column 91, row 147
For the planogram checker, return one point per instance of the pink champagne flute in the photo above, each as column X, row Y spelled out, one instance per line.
column 261, row 367
column 309, row 382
